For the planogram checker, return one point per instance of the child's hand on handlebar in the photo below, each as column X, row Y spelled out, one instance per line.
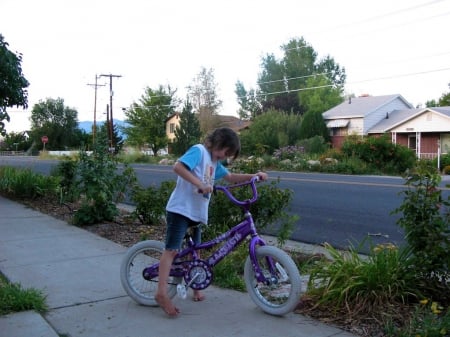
column 262, row 176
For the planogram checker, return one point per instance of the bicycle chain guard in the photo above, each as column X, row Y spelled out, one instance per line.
column 198, row 274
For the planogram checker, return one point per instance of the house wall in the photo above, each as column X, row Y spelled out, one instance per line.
column 355, row 126
column 427, row 122
column 377, row 115
column 172, row 123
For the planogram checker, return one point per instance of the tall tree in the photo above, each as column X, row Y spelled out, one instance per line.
column 147, row 118
column 203, row 95
column 13, row 84
column 59, row 123
column 188, row 132
column 250, row 107
column 281, row 80
column 117, row 138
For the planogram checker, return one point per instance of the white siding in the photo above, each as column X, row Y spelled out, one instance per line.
column 427, row 122
column 377, row 115
column 355, row 126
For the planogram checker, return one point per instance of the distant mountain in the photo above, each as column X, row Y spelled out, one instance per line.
column 87, row 126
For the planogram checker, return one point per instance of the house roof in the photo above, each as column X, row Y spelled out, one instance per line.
column 361, row 106
column 233, row 122
column 397, row 117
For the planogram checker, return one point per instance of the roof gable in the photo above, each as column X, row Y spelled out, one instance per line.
column 399, row 117
column 363, row 106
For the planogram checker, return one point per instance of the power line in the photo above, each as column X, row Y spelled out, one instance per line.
column 361, row 81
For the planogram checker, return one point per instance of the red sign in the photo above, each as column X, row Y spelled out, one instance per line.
column 44, row 139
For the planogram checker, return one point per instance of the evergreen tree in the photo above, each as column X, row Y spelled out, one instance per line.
column 188, row 133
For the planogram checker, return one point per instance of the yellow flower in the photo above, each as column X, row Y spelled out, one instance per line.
column 424, row 301
column 435, row 308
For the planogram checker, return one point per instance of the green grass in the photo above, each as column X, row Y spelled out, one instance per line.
column 13, row 298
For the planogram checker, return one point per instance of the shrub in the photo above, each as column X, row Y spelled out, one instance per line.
column 100, row 185
column 269, row 210
column 151, row 202
column 380, row 153
column 425, row 219
column 24, row 183
column 353, row 285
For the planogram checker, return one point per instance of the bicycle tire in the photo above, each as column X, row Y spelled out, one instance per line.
column 276, row 299
column 138, row 257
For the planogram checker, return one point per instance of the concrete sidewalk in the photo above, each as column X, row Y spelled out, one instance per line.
column 79, row 273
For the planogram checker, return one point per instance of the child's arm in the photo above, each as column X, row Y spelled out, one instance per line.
column 180, row 169
column 241, row 177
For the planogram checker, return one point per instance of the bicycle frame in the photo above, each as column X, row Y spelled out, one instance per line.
column 232, row 238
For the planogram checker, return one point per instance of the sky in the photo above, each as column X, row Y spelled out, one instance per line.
column 386, row 47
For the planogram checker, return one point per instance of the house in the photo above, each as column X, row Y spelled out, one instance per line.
column 358, row 115
column 424, row 130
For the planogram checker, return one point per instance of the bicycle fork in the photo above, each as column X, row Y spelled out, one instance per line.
column 272, row 267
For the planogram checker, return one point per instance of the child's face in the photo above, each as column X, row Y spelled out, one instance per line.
column 220, row 154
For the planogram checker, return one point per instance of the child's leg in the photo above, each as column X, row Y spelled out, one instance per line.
column 161, row 296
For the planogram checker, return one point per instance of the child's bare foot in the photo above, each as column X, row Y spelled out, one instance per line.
column 198, row 296
column 166, row 304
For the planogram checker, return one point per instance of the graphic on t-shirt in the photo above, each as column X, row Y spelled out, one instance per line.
column 208, row 178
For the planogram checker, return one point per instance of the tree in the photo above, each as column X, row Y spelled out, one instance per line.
column 204, row 98
column 248, row 102
column 13, row 84
column 281, row 81
column 147, row 118
column 59, row 123
column 271, row 131
column 117, row 139
column 16, row 141
column 444, row 100
column 188, row 132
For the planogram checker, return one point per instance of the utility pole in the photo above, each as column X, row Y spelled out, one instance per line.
column 95, row 85
column 110, row 104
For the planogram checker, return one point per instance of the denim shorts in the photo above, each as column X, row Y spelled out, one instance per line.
column 177, row 226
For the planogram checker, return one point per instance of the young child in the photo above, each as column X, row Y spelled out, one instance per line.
column 188, row 205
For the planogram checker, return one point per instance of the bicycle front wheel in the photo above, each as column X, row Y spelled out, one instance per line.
column 136, row 259
column 282, row 294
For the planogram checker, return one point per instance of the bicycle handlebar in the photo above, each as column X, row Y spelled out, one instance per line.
column 226, row 190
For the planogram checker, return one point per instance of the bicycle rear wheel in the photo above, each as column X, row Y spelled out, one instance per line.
column 282, row 295
column 136, row 259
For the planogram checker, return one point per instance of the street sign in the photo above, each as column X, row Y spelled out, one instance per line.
column 44, row 139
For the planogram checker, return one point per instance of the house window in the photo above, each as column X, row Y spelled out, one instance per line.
column 445, row 143
column 172, row 128
column 412, row 142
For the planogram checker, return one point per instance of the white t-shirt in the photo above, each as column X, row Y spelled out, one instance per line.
column 185, row 198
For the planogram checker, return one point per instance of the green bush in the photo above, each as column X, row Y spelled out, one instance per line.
column 425, row 219
column 151, row 202
column 354, row 284
column 269, row 210
column 24, row 183
column 100, row 185
column 66, row 171
column 380, row 153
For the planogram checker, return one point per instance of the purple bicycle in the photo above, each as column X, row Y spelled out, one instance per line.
column 271, row 277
